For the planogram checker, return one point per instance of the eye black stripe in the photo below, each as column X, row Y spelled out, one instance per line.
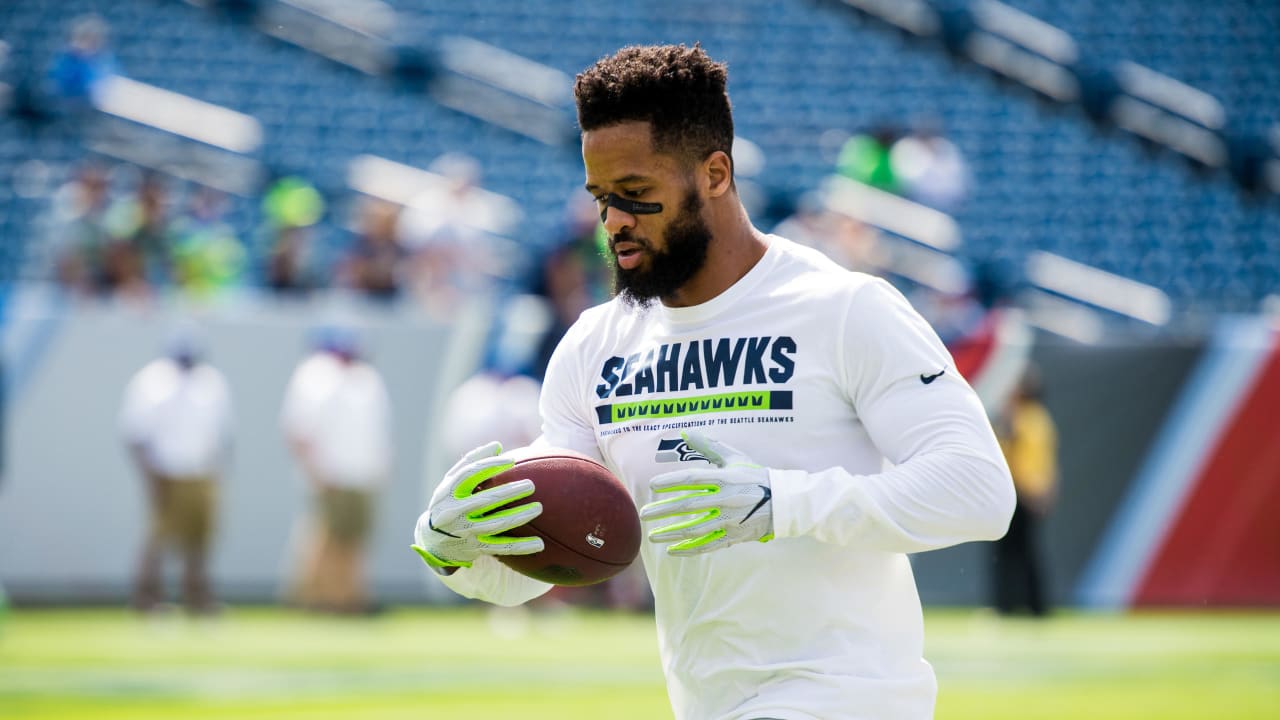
column 631, row 207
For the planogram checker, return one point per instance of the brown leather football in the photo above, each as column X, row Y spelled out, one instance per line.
column 588, row 524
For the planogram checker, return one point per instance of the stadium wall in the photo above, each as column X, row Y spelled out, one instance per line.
column 1197, row 525
column 72, row 516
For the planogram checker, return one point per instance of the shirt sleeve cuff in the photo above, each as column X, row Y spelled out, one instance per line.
column 805, row 503
column 788, row 487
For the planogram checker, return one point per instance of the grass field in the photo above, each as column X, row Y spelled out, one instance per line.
column 569, row 665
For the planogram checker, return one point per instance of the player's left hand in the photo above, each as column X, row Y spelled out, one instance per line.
column 728, row 502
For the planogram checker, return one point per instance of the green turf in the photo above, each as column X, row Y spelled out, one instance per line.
column 468, row 663
column 1098, row 667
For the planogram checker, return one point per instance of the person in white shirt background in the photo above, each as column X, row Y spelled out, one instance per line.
column 176, row 422
column 791, row 429
column 336, row 418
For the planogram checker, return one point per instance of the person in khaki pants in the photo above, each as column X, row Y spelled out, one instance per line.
column 176, row 423
column 336, row 418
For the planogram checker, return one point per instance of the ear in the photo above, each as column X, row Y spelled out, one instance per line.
column 717, row 171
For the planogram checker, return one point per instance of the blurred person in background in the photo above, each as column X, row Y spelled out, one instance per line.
column 177, row 425
column 501, row 399
column 207, row 258
column 78, row 230
column 491, row 404
column 985, row 330
column 451, row 255
column 140, row 227
column 336, row 418
column 865, row 158
column 123, row 270
column 574, row 274
column 81, row 66
column 289, row 262
column 292, row 206
column 1029, row 439
column 852, row 244
column 929, row 168
column 374, row 264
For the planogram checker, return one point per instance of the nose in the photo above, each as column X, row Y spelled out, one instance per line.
column 615, row 220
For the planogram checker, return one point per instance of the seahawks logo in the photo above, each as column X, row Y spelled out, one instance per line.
column 677, row 450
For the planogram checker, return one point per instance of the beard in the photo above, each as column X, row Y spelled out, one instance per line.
column 687, row 239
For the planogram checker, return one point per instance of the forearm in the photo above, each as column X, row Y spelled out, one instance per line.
column 931, row 501
column 491, row 581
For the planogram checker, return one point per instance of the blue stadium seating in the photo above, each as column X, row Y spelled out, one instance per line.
column 1045, row 177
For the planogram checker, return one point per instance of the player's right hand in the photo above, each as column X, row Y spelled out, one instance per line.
column 460, row 525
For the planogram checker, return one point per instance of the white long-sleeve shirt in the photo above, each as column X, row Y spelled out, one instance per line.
column 877, row 448
column 341, row 412
column 181, row 419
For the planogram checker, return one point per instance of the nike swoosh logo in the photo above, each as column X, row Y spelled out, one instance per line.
column 926, row 379
column 436, row 529
column 768, row 495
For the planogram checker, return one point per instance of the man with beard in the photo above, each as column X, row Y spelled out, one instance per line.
column 779, row 569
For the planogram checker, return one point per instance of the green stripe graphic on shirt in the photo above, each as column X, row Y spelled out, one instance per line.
column 722, row 402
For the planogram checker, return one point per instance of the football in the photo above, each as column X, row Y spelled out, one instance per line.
column 589, row 525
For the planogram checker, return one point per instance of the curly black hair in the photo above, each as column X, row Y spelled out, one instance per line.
column 679, row 90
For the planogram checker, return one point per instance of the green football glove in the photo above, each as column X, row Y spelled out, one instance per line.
column 729, row 501
column 460, row 525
